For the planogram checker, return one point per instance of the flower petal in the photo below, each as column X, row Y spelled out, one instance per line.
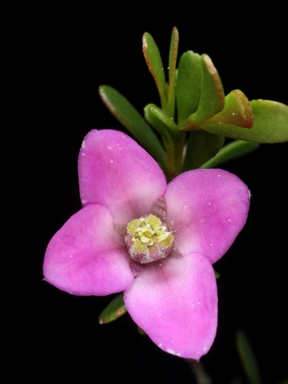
column 175, row 303
column 115, row 171
column 207, row 209
column 87, row 256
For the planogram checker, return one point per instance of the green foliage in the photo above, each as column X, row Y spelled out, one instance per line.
column 115, row 309
column 270, row 124
column 131, row 119
column 195, row 116
column 247, row 358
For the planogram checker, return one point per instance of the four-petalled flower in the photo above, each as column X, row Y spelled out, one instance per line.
column 154, row 241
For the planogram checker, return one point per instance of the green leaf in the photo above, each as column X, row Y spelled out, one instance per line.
column 233, row 150
column 247, row 358
column 212, row 96
column 237, row 111
column 131, row 119
column 274, row 117
column 172, row 72
column 270, row 124
column 201, row 146
column 155, row 65
column 188, row 85
column 161, row 122
column 173, row 139
column 113, row 311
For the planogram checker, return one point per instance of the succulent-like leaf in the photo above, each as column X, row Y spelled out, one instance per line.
column 188, row 85
column 233, row 150
column 172, row 72
column 172, row 138
column 201, row 146
column 155, row 65
column 131, row 119
column 274, row 117
column 270, row 124
column 247, row 357
column 237, row 111
column 161, row 122
column 113, row 311
column 212, row 94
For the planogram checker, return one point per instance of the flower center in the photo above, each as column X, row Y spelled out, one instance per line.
column 148, row 239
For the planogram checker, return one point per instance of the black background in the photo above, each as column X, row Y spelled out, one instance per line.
column 64, row 55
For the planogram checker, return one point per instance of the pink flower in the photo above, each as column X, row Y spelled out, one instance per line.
column 154, row 241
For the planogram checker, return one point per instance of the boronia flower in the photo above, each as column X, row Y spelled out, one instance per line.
column 154, row 241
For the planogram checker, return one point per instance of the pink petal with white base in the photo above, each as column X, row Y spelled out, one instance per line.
column 175, row 303
column 207, row 209
column 115, row 171
column 86, row 256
